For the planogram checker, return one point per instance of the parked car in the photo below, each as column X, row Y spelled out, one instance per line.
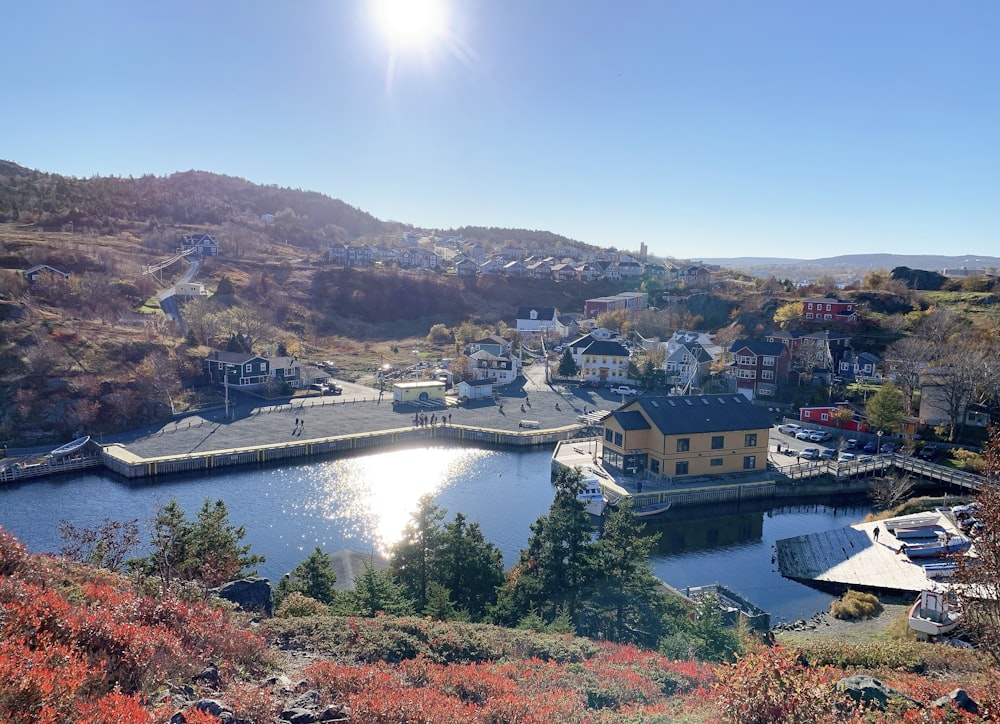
column 888, row 448
column 851, row 444
column 789, row 429
column 846, row 457
column 624, row 390
column 927, row 452
column 870, row 447
column 819, row 436
column 809, row 453
column 827, row 453
column 803, row 435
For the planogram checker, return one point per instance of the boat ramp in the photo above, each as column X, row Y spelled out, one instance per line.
column 858, row 557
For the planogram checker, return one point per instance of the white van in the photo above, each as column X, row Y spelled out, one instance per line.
column 790, row 429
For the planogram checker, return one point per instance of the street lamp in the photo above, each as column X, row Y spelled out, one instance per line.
column 879, row 436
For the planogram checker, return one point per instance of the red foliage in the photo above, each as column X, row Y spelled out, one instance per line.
column 76, row 644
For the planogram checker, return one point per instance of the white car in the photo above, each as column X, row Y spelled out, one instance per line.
column 623, row 390
column 846, row 457
column 819, row 436
column 803, row 435
column 790, row 429
column 809, row 453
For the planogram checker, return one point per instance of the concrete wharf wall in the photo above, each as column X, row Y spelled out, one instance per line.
column 120, row 460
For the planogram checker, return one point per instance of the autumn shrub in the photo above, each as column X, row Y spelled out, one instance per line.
column 771, row 686
column 297, row 605
column 12, row 554
column 855, row 605
column 75, row 640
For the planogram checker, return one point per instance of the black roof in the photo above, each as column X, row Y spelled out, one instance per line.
column 758, row 347
column 606, row 347
column 675, row 415
column 630, row 419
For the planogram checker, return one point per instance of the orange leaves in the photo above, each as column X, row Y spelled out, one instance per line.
column 76, row 645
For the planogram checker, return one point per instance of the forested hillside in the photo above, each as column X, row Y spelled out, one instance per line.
column 191, row 198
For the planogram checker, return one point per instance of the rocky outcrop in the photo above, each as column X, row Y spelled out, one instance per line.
column 960, row 699
column 250, row 594
column 873, row 693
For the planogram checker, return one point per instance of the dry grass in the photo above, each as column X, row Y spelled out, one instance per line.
column 854, row 605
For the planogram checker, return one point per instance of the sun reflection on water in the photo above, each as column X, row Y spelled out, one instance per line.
column 374, row 496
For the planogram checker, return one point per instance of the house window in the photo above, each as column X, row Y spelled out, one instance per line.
column 683, row 444
column 718, row 441
column 809, row 315
column 618, row 439
column 824, row 416
column 767, row 374
column 809, row 305
column 828, row 309
column 654, row 466
column 750, row 462
column 609, row 435
column 263, row 366
column 750, row 439
column 715, row 462
column 249, row 368
column 828, row 317
column 769, row 361
column 681, row 467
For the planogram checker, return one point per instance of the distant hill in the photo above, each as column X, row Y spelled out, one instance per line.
column 864, row 261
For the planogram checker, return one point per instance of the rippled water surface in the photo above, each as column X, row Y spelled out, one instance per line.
column 364, row 502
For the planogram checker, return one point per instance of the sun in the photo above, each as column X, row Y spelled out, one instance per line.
column 411, row 23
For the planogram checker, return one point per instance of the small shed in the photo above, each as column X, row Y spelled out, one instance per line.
column 425, row 392
column 475, row 389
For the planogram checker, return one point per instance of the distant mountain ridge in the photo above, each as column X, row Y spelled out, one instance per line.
column 930, row 262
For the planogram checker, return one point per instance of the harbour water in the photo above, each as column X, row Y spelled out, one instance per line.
column 364, row 502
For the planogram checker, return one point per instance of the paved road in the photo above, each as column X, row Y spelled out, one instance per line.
column 359, row 409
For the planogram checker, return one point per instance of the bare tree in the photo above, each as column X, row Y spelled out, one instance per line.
column 979, row 576
column 905, row 359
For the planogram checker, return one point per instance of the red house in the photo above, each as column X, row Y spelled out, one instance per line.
column 823, row 415
column 759, row 367
column 829, row 309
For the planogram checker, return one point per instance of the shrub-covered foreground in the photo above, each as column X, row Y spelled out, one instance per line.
column 79, row 644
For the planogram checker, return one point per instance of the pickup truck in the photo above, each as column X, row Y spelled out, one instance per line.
column 623, row 390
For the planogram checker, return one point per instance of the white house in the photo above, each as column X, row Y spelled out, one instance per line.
column 537, row 320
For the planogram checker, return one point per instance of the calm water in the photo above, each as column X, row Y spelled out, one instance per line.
column 363, row 503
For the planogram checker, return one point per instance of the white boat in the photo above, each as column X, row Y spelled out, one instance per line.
column 592, row 496
column 942, row 569
column 644, row 511
column 70, row 447
column 933, row 615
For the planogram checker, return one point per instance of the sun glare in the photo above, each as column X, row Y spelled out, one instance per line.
column 411, row 23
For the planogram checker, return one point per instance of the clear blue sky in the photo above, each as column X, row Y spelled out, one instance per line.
column 703, row 128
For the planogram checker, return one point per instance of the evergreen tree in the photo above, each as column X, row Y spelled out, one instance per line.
column 469, row 567
column 374, row 592
column 567, row 365
column 314, row 577
column 627, row 603
column 225, row 287
column 559, row 566
column 414, row 556
column 206, row 551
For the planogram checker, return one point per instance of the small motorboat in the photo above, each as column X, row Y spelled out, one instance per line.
column 940, row 570
column 944, row 544
column 644, row 511
column 592, row 496
column 933, row 615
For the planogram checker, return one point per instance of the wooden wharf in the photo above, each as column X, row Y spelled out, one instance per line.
column 853, row 557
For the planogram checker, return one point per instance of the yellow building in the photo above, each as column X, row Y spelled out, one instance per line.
column 425, row 392
column 676, row 437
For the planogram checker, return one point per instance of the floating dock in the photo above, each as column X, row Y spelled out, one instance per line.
column 853, row 557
